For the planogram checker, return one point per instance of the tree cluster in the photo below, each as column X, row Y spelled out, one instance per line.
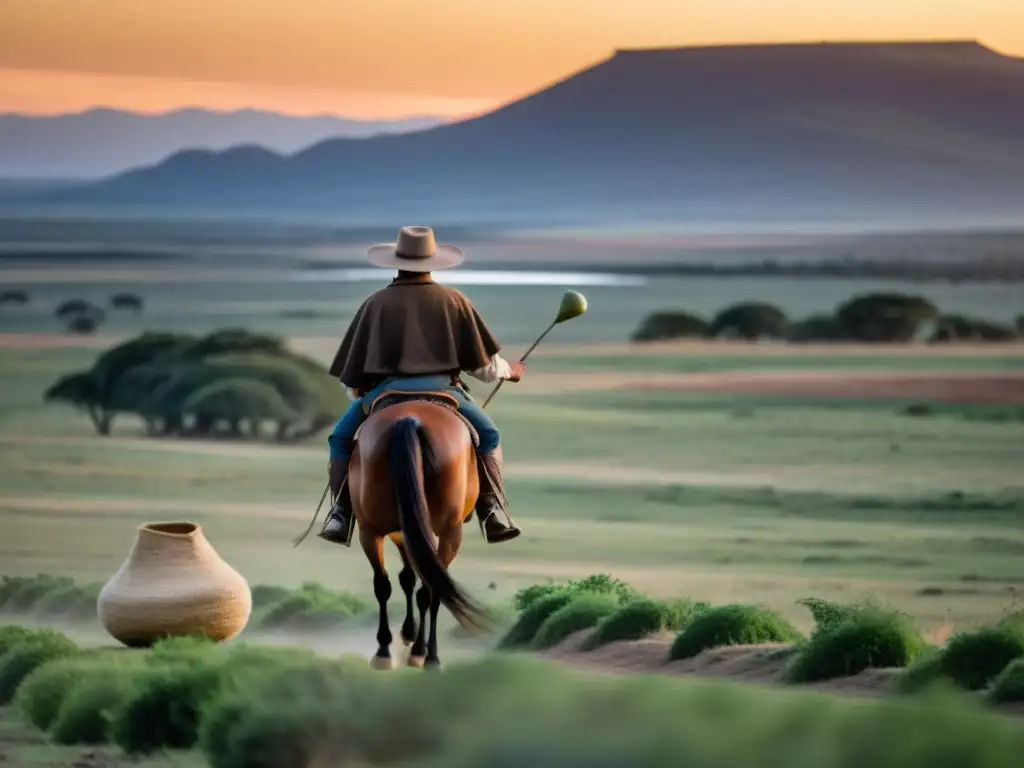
column 865, row 318
column 81, row 316
column 231, row 382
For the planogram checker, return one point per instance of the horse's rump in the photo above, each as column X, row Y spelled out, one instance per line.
column 413, row 474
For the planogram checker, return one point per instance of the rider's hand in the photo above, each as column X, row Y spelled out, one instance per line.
column 516, row 371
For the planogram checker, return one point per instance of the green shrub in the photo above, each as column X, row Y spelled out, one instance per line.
column 525, row 628
column 264, row 595
column 284, row 717
column 973, row 659
column 90, row 703
column 178, row 650
column 642, row 618
column 922, row 675
column 163, row 709
column 312, row 606
column 601, row 583
column 527, row 596
column 827, row 614
column 865, row 640
column 732, row 625
column 71, row 601
column 41, row 693
column 23, row 658
column 12, row 635
column 20, row 594
column 582, row 612
column 1012, row 621
column 1009, row 684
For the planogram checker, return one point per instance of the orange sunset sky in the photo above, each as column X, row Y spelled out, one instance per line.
column 395, row 58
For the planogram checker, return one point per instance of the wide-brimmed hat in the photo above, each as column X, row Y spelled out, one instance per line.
column 415, row 251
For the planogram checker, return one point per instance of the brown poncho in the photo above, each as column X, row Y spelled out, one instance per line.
column 413, row 327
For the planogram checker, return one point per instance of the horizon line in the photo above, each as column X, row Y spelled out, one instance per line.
column 499, row 103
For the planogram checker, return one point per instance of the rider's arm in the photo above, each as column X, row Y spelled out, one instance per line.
column 496, row 370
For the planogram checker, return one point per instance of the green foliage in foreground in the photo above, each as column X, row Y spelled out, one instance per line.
column 732, row 625
column 641, row 618
column 311, row 606
column 23, row 657
column 42, row 691
column 275, row 707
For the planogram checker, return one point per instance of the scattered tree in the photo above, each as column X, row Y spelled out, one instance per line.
column 126, row 301
column 815, row 328
column 671, row 324
column 951, row 328
column 183, row 385
column 16, row 297
column 82, row 324
column 78, row 307
column 884, row 317
column 750, row 320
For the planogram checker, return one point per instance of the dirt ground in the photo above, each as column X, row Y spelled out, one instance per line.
column 758, row 664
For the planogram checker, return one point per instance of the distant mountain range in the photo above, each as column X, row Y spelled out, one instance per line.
column 914, row 132
column 101, row 142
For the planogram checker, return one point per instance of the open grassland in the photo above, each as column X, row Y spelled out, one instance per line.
column 646, row 462
column 733, row 497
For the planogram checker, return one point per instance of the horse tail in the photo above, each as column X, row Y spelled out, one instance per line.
column 410, row 453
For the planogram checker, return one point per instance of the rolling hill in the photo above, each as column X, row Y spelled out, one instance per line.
column 914, row 132
column 100, row 142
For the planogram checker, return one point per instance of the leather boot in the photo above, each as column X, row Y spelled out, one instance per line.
column 492, row 505
column 340, row 524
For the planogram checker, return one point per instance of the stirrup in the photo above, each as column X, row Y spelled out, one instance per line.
column 342, row 533
column 507, row 533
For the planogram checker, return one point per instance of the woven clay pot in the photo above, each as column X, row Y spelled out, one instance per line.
column 174, row 584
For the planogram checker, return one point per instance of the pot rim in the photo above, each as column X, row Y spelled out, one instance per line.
column 175, row 529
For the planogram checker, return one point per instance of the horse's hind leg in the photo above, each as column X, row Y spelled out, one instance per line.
column 373, row 546
column 433, row 661
column 447, row 548
column 418, row 652
column 407, row 578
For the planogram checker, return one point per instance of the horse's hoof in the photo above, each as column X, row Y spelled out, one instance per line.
column 382, row 662
column 416, row 661
column 432, row 664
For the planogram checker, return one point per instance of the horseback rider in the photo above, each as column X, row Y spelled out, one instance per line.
column 416, row 335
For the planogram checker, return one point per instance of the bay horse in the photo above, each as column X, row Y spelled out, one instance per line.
column 413, row 479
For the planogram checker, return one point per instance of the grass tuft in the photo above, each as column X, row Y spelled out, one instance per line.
column 642, row 618
column 865, row 639
column 581, row 612
column 732, row 625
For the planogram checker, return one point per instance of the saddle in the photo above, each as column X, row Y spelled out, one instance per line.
column 443, row 399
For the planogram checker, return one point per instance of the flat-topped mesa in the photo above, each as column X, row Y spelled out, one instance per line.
column 961, row 49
